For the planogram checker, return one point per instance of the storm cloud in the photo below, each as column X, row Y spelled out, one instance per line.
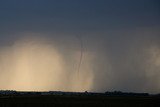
column 40, row 45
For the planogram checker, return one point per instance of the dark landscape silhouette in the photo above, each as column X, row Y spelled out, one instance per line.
column 10, row 98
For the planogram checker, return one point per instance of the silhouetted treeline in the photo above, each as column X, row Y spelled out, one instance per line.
column 119, row 93
column 114, row 93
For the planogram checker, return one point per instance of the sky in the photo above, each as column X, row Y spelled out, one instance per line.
column 79, row 45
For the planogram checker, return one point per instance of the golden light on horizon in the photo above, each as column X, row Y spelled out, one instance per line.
column 36, row 65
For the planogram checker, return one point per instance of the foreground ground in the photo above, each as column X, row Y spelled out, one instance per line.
column 78, row 101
